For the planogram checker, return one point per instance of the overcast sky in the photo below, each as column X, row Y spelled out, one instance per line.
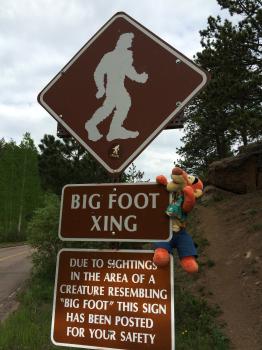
column 38, row 37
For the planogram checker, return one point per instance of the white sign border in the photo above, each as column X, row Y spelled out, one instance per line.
column 172, row 323
column 110, row 239
column 161, row 126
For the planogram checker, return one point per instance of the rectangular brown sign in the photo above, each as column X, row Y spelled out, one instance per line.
column 115, row 212
column 113, row 300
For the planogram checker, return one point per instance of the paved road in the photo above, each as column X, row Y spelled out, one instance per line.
column 15, row 266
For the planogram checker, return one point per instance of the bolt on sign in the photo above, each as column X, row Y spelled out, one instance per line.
column 112, row 300
column 120, row 90
column 115, row 212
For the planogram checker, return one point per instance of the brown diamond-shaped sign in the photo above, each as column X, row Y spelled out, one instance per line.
column 120, row 90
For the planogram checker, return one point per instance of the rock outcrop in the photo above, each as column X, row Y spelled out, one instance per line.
column 239, row 174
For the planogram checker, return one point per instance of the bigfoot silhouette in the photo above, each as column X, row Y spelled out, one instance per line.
column 115, row 65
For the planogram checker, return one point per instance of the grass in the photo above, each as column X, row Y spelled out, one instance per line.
column 255, row 227
column 196, row 327
column 11, row 244
column 29, row 327
column 251, row 212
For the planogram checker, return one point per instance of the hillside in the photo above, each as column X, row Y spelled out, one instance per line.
column 231, row 273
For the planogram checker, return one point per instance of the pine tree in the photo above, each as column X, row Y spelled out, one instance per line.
column 30, row 191
column 228, row 111
column 65, row 161
column 19, row 187
column 8, row 189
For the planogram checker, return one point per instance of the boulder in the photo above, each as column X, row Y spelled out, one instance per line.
column 213, row 193
column 239, row 174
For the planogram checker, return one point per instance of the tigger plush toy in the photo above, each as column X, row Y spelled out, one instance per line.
column 185, row 190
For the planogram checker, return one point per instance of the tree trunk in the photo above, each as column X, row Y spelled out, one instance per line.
column 20, row 216
column 222, row 147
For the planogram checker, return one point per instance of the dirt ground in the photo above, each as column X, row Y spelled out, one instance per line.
column 232, row 275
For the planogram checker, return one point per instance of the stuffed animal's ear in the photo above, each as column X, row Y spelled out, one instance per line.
column 191, row 179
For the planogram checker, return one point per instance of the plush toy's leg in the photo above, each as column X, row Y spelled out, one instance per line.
column 161, row 257
column 189, row 264
column 162, row 253
column 186, row 251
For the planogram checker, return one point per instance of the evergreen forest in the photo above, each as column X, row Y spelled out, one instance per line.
column 28, row 174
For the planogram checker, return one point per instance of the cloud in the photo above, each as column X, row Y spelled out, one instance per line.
column 16, row 120
column 159, row 157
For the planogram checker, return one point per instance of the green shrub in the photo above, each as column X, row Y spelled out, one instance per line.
column 196, row 325
column 43, row 236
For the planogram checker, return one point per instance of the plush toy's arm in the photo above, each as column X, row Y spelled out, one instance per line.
column 161, row 179
column 189, row 199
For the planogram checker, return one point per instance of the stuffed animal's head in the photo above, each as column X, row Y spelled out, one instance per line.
column 179, row 180
column 180, row 184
